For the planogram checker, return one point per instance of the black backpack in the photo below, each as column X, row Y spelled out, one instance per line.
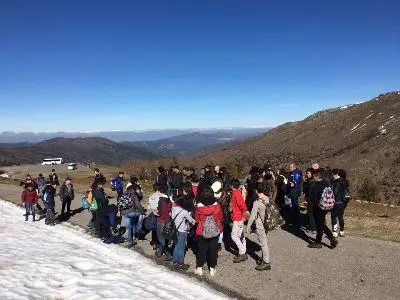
column 125, row 202
column 170, row 230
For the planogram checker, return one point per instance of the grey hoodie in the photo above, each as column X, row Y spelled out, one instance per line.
column 183, row 218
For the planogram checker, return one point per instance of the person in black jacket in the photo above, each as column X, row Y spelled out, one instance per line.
column 49, row 192
column 53, row 177
column 67, row 194
column 102, row 221
column 307, row 185
column 252, row 182
column 315, row 195
column 176, row 181
column 162, row 177
column 340, row 186
column 98, row 177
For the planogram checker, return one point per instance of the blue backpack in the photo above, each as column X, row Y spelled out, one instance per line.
column 84, row 203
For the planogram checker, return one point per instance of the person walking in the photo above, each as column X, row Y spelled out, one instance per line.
column 49, row 193
column 67, row 194
column 307, row 185
column 258, row 215
column 340, row 188
column 29, row 199
column 163, row 216
column 239, row 215
column 294, row 192
column 117, row 184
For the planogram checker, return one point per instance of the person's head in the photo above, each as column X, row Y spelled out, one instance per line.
column 96, row 171
column 40, row 175
column 217, row 188
column 202, row 171
column 155, row 187
column 223, row 170
column 160, row 169
column 318, row 176
column 216, row 169
column 99, row 184
column 235, row 183
column 53, row 171
column 28, row 178
column 342, row 173
column 261, row 179
column 134, row 180
column 175, row 169
column 315, row 166
column 121, row 174
column 162, row 189
column 310, row 173
column 188, row 189
column 207, row 168
column 180, row 201
column 260, row 189
column 68, row 180
column 282, row 172
column 53, row 184
column 254, row 170
column 29, row 187
column 207, row 192
column 292, row 167
column 335, row 173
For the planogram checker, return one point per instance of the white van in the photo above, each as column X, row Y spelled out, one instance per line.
column 52, row 161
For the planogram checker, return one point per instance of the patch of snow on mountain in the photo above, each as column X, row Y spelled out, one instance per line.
column 61, row 262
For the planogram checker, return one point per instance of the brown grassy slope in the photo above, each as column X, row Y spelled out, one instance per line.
column 363, row 139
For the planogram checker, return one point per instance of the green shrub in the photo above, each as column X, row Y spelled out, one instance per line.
column 369, row 191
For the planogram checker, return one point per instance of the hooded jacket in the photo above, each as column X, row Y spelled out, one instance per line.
column 340, row 186
column 315, row 193
column 49, row 192
column 101, row 198
column 29, row 197
column 207, row 207
column 238, row 205
column 295, row 178
column 66, row 193
column 163, row 209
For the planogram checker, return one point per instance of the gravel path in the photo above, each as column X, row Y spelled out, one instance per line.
column 359, row 268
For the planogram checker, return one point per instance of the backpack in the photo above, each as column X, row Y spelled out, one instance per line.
column 89, row 197
column 94, row 205
column 170, row 230
column 85, row 203
column 272, row 218
column 327, row 200
column 45, row 197
column 210, row 228
column 347, row 196
column 125, row 202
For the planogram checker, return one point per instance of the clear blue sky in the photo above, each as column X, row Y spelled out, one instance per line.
column 121, row 65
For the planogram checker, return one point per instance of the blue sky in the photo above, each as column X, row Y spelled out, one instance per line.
column 123, row 65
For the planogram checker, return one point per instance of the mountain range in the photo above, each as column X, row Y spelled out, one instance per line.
column 8, row 137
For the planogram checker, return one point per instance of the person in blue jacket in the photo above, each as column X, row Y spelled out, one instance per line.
column 117, row 183
column 294, row 192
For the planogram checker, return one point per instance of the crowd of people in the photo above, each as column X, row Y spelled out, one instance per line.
column 207, row 212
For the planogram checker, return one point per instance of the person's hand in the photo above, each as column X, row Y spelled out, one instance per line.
column 292, row 184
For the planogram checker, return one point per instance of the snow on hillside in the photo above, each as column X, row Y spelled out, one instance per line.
column 62, row 262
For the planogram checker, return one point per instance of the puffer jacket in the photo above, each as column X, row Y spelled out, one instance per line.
column 207, row 207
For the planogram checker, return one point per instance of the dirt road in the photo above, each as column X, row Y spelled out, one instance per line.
column 359, row 268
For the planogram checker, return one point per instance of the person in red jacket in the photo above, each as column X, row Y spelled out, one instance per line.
column 163, row 214
column 29, row 198
column 239, row 215
column 207, row 247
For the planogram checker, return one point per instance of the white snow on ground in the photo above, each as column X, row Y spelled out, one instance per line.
column 369, row 116
column 62, row 262
column 344, row 107
column 355, row 127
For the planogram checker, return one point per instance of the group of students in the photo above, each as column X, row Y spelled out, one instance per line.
column 46, row 189
column 204, row 212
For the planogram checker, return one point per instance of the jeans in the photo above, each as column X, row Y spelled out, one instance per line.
column 207, row 252
column 131, row 220
column 30, row 210
column 120, row 192
column 320, row 222
column 338, row 213
column 180, row 247
column 66, row 203
column 139, row 224
column 238, row 237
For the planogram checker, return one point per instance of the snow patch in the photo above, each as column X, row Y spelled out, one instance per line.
column 60, row 262
column 344, row 107
column 369, row 116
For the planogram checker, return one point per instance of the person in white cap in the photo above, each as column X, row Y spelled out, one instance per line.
column 218, row 194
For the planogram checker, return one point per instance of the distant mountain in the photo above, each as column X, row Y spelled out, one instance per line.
column 116, row 136
column 98, row 150
column 362, row 138
column 195, row 142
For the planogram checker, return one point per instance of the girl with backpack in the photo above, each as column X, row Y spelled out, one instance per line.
column 182, row 220
column 258, row 215
column 316, row 195
column 209, row 218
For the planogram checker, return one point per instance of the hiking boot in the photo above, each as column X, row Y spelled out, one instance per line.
column 335, row 234
column 198, row 271
column 341, row 234
column 240, row 258
column 259, row 262
column 263, row 266
column 315, row 245
column 167, row 257
column 212, row 272
column 334, row 243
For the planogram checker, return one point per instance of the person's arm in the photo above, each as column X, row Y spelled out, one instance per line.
column 189, row 218
column 23, row 197
column 252, row 216
column 35, row 198
column 242, row 205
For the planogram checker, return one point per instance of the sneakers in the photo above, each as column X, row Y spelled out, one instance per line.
column 341, row 233
column 198, row 271
column 212, row 272
column 335, row 234
column 240, row 258
column 263, row 266
column 315, row 245
column 334, row 243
